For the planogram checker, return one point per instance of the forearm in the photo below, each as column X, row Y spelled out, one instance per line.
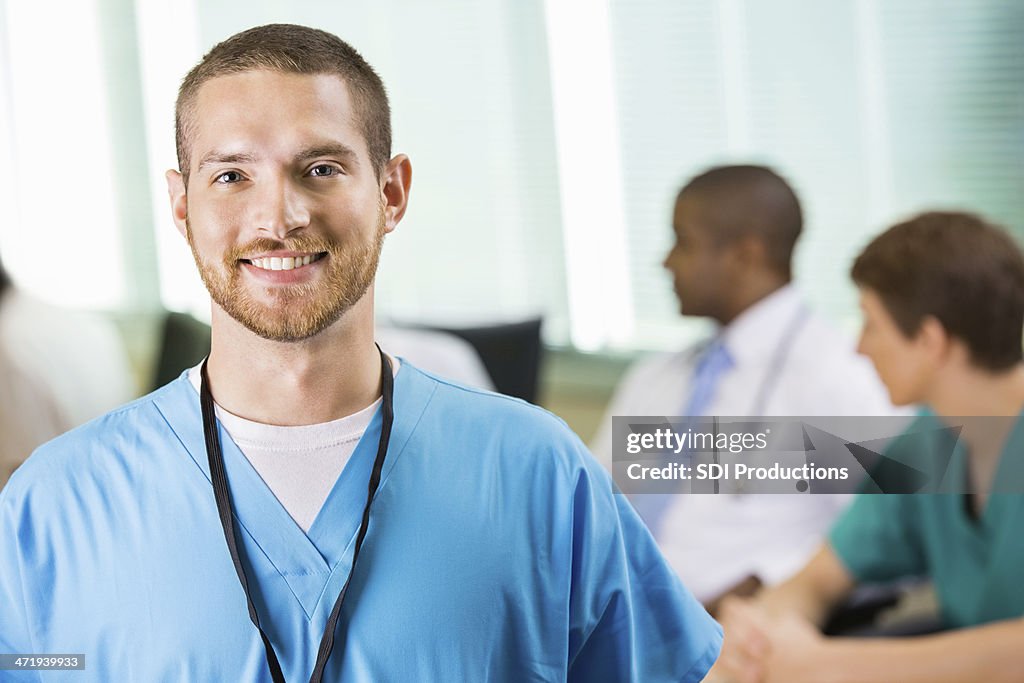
column 812, row 593
column 795, row 597
column 990, row 653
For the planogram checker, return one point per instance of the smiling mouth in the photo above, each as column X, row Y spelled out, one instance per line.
column 285, row 262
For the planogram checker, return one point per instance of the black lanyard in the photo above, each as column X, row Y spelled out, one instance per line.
column 227, row 517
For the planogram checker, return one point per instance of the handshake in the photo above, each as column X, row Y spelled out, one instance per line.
column 762, row 646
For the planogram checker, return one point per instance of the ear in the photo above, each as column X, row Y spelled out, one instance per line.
column 932, row 340
column 395, row 183
column 751, row 252
column 179, row 201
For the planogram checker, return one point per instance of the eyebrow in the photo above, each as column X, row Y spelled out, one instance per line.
column 331, row 149
column 322, row 150
column 225, row 158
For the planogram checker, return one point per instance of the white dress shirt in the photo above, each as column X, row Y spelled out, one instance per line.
column 787, row 361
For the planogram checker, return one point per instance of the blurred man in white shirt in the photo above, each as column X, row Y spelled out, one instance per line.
column 735, row 229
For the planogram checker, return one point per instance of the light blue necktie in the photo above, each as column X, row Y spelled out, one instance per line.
column 715, row 360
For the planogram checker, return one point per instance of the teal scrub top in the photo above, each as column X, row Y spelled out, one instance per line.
column 975, row 564
column 497, row 551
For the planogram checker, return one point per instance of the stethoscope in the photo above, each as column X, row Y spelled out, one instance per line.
column 772, row 376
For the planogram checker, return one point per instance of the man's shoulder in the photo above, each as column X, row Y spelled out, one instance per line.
column 825, row 347
column 823, row 342
column 823, row 373
column 460, row 403
column 923, row 437
column 495, row 430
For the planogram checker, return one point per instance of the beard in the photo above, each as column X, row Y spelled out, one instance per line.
column 295, row 312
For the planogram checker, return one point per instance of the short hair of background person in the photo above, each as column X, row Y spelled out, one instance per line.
column 736, row 228
column 298, row 50
column 968, row 274
column 751, row 201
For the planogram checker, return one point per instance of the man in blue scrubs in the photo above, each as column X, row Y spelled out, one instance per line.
column 303, row 506
column 943, row 301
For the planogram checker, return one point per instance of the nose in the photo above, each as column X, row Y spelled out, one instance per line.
column 666, row 262
column 280, row 208
column 674, row 263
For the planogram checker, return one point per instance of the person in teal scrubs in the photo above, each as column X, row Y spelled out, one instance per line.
column 943, row 302
column 376, row 523
column 969, row 545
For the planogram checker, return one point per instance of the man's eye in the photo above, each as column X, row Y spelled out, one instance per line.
column 228, row 177
column 323, row 170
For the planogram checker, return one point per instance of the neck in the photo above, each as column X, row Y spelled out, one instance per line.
column 753, row 290
column 968, row 391
column 326, row 377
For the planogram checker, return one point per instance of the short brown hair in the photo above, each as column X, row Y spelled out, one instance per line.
column 964, row 271
column 294, row 49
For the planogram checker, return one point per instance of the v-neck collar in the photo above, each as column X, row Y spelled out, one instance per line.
column 309, row 563
column 1004, row 489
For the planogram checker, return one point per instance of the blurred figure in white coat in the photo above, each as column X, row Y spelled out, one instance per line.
column 771, row 355
column 58, row 369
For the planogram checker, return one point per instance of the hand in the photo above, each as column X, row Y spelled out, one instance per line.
column 746, row 588
column 797, row 652
column 747, row 644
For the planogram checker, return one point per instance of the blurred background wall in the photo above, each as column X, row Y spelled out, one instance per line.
column 548, row 139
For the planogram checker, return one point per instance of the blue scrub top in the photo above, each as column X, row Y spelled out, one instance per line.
column 497, row 551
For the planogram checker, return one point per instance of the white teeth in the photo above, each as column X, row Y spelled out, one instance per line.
column 284, row 263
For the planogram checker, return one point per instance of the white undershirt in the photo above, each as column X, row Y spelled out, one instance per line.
column 298, row 464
